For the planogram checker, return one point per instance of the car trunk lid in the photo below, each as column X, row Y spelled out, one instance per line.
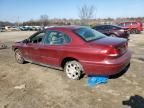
column 117, row 46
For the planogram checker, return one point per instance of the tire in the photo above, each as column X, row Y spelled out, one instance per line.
column 73, row 70
column 137, row 31
column 18, row 57
column 134, row 31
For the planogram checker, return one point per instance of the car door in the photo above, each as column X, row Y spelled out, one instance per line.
column 52, row 49
column 26, row 47
column 34, row 45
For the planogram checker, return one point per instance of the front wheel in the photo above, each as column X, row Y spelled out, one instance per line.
column 18, row 56
column 73, row 70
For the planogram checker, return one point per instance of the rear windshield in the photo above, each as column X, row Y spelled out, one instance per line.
column 89, row 34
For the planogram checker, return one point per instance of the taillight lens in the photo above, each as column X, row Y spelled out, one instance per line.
column 113, row 52
column 117, row 51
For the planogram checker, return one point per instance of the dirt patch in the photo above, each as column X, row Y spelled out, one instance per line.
column 49, row 88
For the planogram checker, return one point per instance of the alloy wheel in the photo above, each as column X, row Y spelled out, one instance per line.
column 73, row 70
column 19, row 57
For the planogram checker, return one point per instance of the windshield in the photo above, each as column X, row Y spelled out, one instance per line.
column 88, row 34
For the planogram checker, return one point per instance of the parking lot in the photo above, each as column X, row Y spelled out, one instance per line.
column 34, row 86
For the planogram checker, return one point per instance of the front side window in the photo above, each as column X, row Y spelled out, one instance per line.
column 37, row 38
column 106, row 27
column 56, row 38
column 98, row 28
column 114, row 27
column 88, row 34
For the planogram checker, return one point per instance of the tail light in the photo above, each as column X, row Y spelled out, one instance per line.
column 113, row 52
column 117, row 51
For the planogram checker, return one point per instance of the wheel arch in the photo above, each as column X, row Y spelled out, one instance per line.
column 66, row 59
column 14, row 49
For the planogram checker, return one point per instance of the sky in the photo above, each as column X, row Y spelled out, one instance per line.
column 24, row 10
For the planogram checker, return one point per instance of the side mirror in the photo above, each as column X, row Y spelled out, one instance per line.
column 26, row 41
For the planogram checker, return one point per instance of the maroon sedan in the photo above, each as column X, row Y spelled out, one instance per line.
column 75, row 49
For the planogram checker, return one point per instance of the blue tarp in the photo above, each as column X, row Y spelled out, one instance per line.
column 95, row 80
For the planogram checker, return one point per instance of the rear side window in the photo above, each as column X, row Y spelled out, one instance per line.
column 56, row 38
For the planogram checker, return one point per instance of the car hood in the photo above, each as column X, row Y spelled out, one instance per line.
column 108, row 41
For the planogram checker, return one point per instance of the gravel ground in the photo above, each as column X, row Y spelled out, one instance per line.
column 34, row 86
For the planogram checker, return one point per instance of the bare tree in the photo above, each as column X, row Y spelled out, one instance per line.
column 86, row 13
column 44, row 20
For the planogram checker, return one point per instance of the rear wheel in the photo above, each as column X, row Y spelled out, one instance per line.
column 18, row 56
column 73, row 70
column 134, row 31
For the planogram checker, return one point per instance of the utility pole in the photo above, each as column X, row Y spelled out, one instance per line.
column 18, row 21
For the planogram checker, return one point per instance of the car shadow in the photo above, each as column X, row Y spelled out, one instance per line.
column 134, row 102
column 84, row 75
column 120, row 73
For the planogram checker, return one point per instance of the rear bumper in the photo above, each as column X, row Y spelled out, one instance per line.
column 107, row 67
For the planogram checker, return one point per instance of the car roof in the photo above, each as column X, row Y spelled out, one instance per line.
column 131, row 22
column 106, row 25
column 70, row 27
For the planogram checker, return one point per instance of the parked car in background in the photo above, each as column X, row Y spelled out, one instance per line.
column 2, row 46
column 36, row 28
column 134, row 27
column 26, row 28
column 29, row 28
column 75, row 49
column 112, row 30
column 12, row 28
column 2, row 29
column 22, row 28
